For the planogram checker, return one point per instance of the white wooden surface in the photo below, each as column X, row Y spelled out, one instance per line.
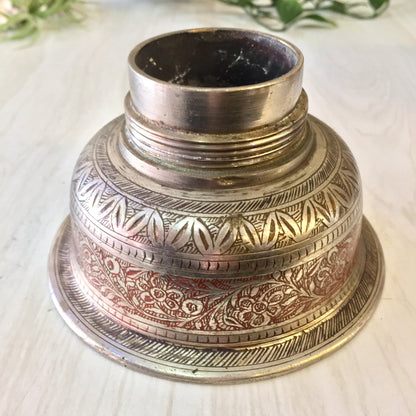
column 54, row 95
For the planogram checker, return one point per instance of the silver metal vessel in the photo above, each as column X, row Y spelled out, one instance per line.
column 216, row 230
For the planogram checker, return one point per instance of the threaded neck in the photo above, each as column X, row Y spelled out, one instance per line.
column 215, row 107
column 181, row 159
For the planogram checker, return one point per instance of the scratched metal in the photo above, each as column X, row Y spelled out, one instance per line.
column 216, row 230
column 212, row 365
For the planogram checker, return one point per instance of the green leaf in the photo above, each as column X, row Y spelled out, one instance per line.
column 28, row 21
column 241, row 3
column 15, row 20
column 55, row 6
column 27, row 29
column 319, row 18
column 377, row 4
column 288, row 10
column 18, row 26
column 338, row 7
column 341, row 7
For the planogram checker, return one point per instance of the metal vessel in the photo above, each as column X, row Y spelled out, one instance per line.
column 216, row 230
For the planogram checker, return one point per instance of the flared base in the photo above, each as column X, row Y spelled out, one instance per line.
column 212, row 365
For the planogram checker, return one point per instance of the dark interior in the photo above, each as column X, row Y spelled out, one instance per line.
column 219, row 58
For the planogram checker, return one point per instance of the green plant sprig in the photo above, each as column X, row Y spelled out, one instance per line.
column 279, row 15
column 25, row 18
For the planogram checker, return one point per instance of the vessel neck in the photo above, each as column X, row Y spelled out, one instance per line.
column 215, row 81
column 215, row 107
column 187, row 158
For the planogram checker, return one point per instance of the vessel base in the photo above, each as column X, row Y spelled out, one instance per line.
column 221, row 365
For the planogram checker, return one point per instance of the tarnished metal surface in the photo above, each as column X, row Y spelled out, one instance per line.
column 136, row 351
column 196, row 233
column 215, row 80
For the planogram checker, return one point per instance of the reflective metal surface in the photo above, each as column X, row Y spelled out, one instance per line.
column 223, row 235
column 215, row 81
column 133, row 350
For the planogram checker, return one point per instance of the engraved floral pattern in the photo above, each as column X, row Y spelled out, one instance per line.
column 196, row 241
column 212, row 304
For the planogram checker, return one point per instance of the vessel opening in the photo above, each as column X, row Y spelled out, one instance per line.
column 216, row 58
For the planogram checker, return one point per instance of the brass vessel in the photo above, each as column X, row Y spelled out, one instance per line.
column 216, row 229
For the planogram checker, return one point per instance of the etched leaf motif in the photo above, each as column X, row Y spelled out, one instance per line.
column 290, row 300
column 312, row 286
column 249, row 234
column 155, row 229
column 226, row 237
column 299, row 275
column 95, row 196
column 288, row 225
column 137, row 222
column 118, row 215
column 81, row 168
column 322, row 214
column 314, row 267
column 308, row 219
column 103, row 209
column 180, row 233
column 270, row 231
column 82, row 174
column 331, row 205
column 254, row 290
column 202, row 237
column 231, row 321
column 87, row 189
column 350, row 180
column 339, row 194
